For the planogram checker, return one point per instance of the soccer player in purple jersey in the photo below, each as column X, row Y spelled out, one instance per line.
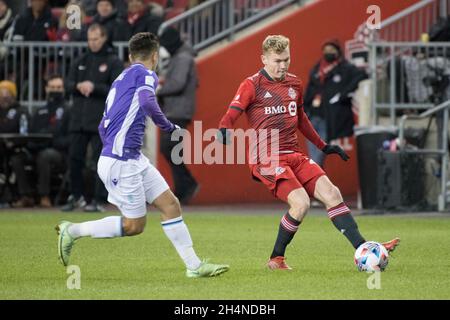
column 128, row 176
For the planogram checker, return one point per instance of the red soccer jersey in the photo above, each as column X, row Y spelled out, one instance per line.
column 271, row 104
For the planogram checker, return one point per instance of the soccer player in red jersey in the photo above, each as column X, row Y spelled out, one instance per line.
column 272, row 99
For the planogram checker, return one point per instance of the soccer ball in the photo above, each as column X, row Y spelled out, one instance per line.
column 371, row 256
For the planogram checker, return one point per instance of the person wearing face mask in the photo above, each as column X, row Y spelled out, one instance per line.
column 328, row 96
column 52, row 118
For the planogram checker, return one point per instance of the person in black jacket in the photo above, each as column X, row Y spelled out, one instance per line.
column 328, row 96
column 141, row 19
column 89, row 80
column 9, row 123
column 11, row 154
column 36, row 23
column 52, row 118
column 107, row 16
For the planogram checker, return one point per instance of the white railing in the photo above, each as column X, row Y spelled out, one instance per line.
column 215, row 20
column 28, row 64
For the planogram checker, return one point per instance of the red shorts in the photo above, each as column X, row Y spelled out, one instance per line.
column 293, row 171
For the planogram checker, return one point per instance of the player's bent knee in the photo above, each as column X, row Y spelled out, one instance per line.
column 168, row 204
column 299, row 208
column 173, row 206
column 134, row 230
column 335, row 196
column 133, row 227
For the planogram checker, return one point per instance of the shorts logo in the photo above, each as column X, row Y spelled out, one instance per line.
column 279, row 170
column 115, row 181
column 311, row 161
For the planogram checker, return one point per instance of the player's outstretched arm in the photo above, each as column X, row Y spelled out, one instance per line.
column 311, row 134
column 227, row 122
column 306, row 128
column 330, row 149
column 148, row 103
column 224, row 136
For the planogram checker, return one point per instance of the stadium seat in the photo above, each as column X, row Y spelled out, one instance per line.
column 173, row 12
column 181, row 4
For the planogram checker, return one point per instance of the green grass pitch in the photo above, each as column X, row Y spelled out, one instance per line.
column 147, row 266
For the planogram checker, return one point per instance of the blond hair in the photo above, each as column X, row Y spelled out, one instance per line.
column 10, row 86
column 275, row 43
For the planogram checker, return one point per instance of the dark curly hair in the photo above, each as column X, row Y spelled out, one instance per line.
column 142, row 45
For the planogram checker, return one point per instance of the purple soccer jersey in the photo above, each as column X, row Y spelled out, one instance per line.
column 130, row 99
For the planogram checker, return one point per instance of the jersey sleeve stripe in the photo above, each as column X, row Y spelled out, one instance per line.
column 145, row 88
column 236, row 108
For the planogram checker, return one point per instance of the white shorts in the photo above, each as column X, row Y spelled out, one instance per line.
column 131, row 184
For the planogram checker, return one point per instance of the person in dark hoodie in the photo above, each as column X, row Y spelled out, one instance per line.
column 328, row 96
column 89, row 81
column 141, row 19
column 51, row 118
column 36, row 23
column 107, row 16
column 12, row 155
column 176, row 92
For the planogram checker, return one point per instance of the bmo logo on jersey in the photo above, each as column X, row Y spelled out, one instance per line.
column 292, row 109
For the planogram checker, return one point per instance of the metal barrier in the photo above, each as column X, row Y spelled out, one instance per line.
column 215, row 20
column 28, row 64
column 408, row 75
column 414, row 77
column 411, row 23
column 442, row 150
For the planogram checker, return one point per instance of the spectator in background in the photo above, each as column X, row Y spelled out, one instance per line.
column 176, row 92
column 9, row 120
column 107, row 16
column 89, row 80
column 36, row 23
column 328, row 97
column 6, row 18
column 9, row 123
column 89, row 6
column 52, row 118
column 141, row 19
